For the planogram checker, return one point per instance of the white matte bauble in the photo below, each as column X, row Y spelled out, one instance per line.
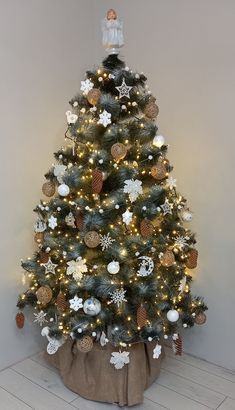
column 172, row 315
column 187, row 216
column 158, row 141
column 63, row 190
column 113, row 267
column 92, row 306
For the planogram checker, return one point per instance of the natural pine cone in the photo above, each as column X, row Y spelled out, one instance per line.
column 177, row 345
column 20, row 320
column 141, row 316
column 146, row 228
column 79, row 219
column 43, row 257
column 97, row 181
column 61, row 302
column 48, row 188
column 191, row 261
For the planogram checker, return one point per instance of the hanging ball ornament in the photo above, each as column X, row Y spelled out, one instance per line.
column 85, row 344
column 158, row 141
column 20, row 320
column 93, row 96
column 187, row 216
column 48, row 188
column 92, row 306
column 118, row 151
column 43, row 257
column 151, row 110
column 63, row 190
column 92, row 239
column 172, row 315
column 158, row 171
column 167, row 258
column 113, row 267
column 44, row 294
column 200, row 319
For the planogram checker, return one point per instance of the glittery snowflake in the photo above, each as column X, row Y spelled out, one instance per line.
column 181, row 241
column 127, row 217
column 171, row 182
column 86, row 86
column 166, row 208
column 133, row 188
column 119, row 359
column 40, row 318
column 76, row 303
column 124, row 89
column 77, row 268
column 49, row 266
column 157, row 351
column 70, row 220
column 118, row 296
column 106, row 241
column 52, row 222
column 71, row 118
column 59, row 171
column 105, row 118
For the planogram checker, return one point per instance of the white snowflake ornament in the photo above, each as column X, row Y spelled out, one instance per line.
column 70, row 220
column 133, row 187
column 171, row 182
column 106, row 241
column 59, row 171
column 40, row 318
column 52, row 222
column 71, row 118
column 77, row 268
column 127, row 217
column 76, row 303
column 119, row 359
column 49, row 266
column 118, row 296
column 105, row 118
column 181, row 241
column 124, row 89
column 86, row 86
column 157, row 351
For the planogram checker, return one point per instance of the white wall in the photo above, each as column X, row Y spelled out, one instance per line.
column 187, row 50
column 44, row 54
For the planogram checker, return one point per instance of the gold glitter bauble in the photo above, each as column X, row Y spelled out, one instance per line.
column 167, row 259
column 92, row 239
column 151, row 110
column 118, row 151
column 48, row 188
column 93, row 96
column 44, row 294
column 158, row 171
column 85, row 344
column 200, row 319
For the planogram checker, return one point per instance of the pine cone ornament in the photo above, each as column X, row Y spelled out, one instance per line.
column 97, row 181
column 167, row 258
column 92, row 239
column 141, row 316
column 48, row 188
column 93, row 96
column 146, row 228
column 43, row 257
column 151, row 110
column 20, row 320
column 177, row 345
column 191, row 262
column 158, row 171
column 44, row 295
column 39, row 238
column 200, row 319
column 79, row 220
column 85, row 344
column 61, row 302
column 118, row 151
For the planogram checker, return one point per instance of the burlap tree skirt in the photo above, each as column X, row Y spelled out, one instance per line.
column 93, row 377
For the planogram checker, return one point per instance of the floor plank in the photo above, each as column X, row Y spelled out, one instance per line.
column 40, row 358
column 211, row 381
column 9, row 402
column 170, row 399
column 190, row 389
column 203, row 365
column 45, row 378
column 228, row 404
column 35, row 396
column 84, row 404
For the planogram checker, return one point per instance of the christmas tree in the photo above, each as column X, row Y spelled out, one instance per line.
column 114, row 248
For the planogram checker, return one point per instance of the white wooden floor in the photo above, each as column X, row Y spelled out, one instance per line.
column 186, row 383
